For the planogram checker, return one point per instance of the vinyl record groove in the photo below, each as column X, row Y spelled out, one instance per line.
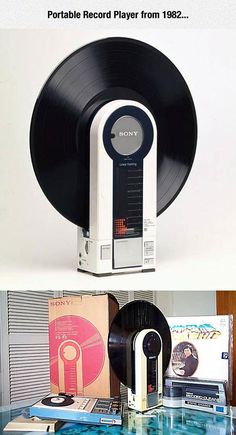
column 108, row 69
column 57, row 401
column 132, row 318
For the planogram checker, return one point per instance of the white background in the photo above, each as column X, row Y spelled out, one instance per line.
column 196, row 235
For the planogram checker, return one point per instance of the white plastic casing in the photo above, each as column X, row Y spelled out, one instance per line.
column 139, row 399
column 95, row 249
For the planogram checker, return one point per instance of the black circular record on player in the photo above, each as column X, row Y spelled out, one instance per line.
column 102, row 71
column 132, row 318
column 57, row 401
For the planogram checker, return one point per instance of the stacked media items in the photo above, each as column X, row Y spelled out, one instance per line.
column 201, row 363
column 113, row 139
column 200, row 394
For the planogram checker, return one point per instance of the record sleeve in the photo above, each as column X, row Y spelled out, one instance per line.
column 201, row 347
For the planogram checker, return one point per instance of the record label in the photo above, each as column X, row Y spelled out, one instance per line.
column 57, row 401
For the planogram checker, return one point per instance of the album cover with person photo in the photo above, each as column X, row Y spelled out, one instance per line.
column 201, row 347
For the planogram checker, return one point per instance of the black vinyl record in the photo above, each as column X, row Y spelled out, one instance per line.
column 57, row 401
column 132, row 318
column 108, row 69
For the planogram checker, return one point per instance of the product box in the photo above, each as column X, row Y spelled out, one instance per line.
column 78, row 334
column 201, row 347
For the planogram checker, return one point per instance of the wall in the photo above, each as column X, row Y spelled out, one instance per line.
column 187, row 303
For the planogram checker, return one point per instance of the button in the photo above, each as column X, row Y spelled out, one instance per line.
column 86, row 247
column 105, row 252
column 219, row 409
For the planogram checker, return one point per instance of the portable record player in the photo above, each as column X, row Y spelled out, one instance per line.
column 113, row 138
column 139, row 347
column 79, row 409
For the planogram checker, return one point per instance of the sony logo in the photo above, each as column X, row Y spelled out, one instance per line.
column 128, row 133
column 59, row 303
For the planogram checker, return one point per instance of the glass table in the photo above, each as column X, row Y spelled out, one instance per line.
column 163, row 421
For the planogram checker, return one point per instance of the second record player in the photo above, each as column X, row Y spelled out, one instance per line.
column 79, row 409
